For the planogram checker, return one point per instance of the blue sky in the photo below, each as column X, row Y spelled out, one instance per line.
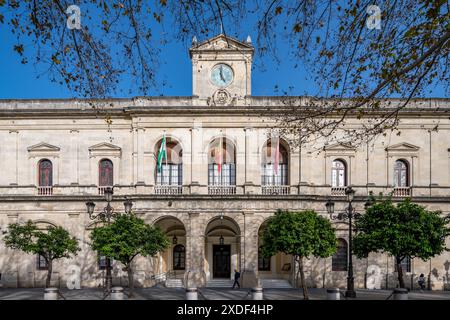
column 173, row 77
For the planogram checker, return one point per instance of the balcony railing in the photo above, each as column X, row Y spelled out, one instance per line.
column 45, row 191
column 402, row 192
column 221, row 190
column 275, row 190
column 167, row 189
column 338, row 191
column 101, row 190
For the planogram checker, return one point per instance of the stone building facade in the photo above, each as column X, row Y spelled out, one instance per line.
column 223, row 177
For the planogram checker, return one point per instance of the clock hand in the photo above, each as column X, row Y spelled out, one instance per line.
column 221, row 74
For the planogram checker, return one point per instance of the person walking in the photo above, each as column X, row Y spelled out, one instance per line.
column 237, row 275
column 421, row 281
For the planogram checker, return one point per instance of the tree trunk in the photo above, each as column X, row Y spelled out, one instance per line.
column 130, row 280
column 401, row 283
column 302, row 276
column 49, row 273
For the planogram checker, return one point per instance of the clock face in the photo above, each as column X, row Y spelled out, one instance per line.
column 221, row 75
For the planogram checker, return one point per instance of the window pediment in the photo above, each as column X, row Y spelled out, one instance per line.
column 105, row 149
column 402, row 147
column 43, row 149
column 339, row 149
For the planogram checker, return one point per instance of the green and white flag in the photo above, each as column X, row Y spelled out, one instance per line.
column 162, row 152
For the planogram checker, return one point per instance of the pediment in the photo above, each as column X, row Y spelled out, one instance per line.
column 104, row 146
column 222, row 42
column 404, row 146
column 339, row 147
column 43, row 147
column 105, row 149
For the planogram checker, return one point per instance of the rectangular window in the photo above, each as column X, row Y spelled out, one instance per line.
column 41, row 263
column 405, row 263
column 170, row 175
column 102, row 263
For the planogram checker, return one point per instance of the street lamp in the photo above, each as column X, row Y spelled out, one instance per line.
column 105, row 216
column 349, row 214
column 174, row 239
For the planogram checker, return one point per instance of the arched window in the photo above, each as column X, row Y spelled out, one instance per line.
column 105, row 173
column 338, row 174
column 179, row 257
column 169, row 171
column 45, row 173
column 221, row 163
column 263, row 262
column 274, row 164
column 401, row 174
column 339, row 259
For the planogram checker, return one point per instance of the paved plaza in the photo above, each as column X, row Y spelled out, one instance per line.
column 162, row 293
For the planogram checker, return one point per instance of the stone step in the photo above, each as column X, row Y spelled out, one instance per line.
column 174, row 283
column 219, row 283
column 275, row 283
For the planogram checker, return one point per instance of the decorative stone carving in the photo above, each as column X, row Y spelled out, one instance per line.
column 221, row 98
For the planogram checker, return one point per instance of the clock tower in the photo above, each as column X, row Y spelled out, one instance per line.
column 221, row 69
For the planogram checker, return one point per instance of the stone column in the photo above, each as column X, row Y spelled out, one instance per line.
column 199, row 172
column 249, row 252
column 195, row 252
column 140, row 156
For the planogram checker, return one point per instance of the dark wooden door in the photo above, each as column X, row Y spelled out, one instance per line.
column 221, row 261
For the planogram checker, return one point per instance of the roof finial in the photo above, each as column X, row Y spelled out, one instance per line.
column 194, row 41
column 249, row 40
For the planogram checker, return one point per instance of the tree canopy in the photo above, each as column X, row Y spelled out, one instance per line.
column 403, row 230
column 351, row 49
column 52, row 243
column 301, row 234
column 127, row 237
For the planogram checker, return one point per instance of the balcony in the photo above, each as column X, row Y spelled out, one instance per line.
column 401, row 192
column 338, row 191
column 101, row 190
column 221, row 190
column 275, row 190
column 45, row 191
column 168, row 189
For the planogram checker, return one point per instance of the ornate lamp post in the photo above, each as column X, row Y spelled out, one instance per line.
column 349, row 214
column 105, row 216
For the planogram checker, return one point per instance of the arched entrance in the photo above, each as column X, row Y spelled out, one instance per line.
column 222, row 248
column 279, row 266
column 173, row 259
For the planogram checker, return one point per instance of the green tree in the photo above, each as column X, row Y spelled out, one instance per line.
column 53, row 243
column 403, row 230
column 300, row 234
column 127, row 237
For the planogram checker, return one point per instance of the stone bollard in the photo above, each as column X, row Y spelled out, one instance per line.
column 257, row 293
column 400, row 294
column 51, row 294
column 117, row 293
column 191, row 294
column 333, row 294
